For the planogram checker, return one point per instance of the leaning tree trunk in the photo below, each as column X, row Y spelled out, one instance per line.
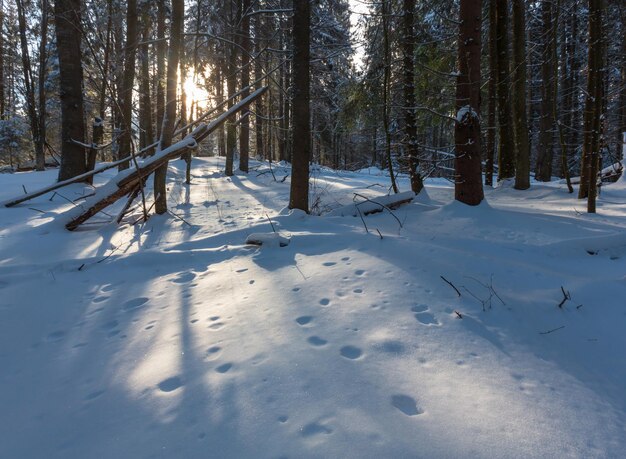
column 169, row 118
column 68, row 34
column 467, row 164
column 299, row 193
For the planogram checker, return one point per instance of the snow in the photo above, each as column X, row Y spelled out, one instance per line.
column 173, row 338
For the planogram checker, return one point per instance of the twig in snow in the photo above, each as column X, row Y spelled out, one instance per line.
column 553, row 330
column 566, row 297
column 366, row 199
column 270, row 220
column 179, row 217
column 451, row 285
column 377, row 230
column 362, row 219
column 458, row 314
column 37, row 210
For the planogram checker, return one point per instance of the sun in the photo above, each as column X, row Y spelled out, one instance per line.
column 195, row 92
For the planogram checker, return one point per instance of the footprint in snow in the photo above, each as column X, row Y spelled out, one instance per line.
column 316, row 341
column 224, row 368
column 314, row 429
column 406, row 404
column 351, row 352
column 183, row 278
column 324, row 301
column 100, row 299
column 134, row 303
column 304, row 320
column 329, row 263
column 426, row 318
column 170, row 384
column 359, row 272
column 423, row 316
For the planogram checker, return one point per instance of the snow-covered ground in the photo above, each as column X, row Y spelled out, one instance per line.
column 174, row 338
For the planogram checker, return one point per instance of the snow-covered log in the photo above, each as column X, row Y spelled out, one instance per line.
column 373, row 205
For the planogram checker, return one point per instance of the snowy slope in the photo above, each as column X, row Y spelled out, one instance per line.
column 175, row 339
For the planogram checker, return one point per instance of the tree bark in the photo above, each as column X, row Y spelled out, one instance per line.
column 128, row 81
column 299, row 193
column 244, row 132
column 410, row 124
column 468, row 187
column 68, row 33
column 169, row 118
column 492, row 97
column 506, row 147
column 520, row 125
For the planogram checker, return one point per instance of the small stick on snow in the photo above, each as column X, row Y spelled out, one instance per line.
column 553, row 330
column 459, row 315
column 381, row 236
column 270, row 220
column 566, row 296
column 451, row 285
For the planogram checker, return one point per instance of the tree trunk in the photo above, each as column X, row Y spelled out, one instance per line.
column 520, row 126
column 543, row 170
column 492, row 85
column 386, row 13
column 468, row 187
column 29, row 86
column 128, row 81
column 299, row 193
column 244, row 133
column 506, row 147
column 594, row 100
column 146, row 132
column 410, row 125
column 258, row 72
column 160, row 64
column 169, row 118
column 231, row 86
column 68, row 34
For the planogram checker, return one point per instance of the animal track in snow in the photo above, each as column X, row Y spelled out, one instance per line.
column 316, row 341
column 406, row 404
column 183, row 278
column 315, row 428
column 329, row 263
column 213, row 353
column 224, row 367
column 359, row 272
column 170, row 384
column 357, row 290
column 56, row 336
column 216, row 326
column 423, row 315
column 426, row 318
column 351, row 352
column 100, row 299
column 134, row 303
column 304, row 320
column 324, row 301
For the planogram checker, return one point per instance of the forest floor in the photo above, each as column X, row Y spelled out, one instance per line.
column 173, row 338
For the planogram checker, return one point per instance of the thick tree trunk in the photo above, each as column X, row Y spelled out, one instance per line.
column 259, row 108
column 506, row 146
column 169, row 118
column 492, row 97
column 40, row 150
column 231, row 87
column 68, row 34
column 467, row 165
column 386, row 13
column 160, row 67
column 520, row 122
column 299, row 193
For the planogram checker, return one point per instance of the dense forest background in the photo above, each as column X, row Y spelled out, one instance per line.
column 384, row 79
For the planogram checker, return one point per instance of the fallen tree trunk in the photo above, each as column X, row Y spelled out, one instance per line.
column 373, row 205
column 86, row 175
column 126, row 181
